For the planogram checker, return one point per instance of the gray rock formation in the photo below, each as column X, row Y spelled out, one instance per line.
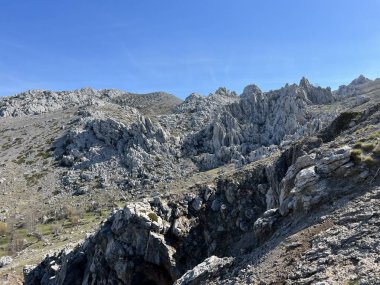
column 204, row 270
column 356, row 87
column 5, row 260
column 35, row 102
column 287, row 157
column 259, row 119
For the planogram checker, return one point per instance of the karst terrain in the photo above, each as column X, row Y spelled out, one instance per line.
column 110, row 187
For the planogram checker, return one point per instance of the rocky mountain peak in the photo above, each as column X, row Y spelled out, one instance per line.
column 223, row 91
column 193, row 97
column 317, row 95
column 357, row 86
column 360, row 80
column 304, row 83
column 250, row 90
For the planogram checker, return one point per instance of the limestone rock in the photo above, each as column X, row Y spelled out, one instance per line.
column 204, row 270
column 332, row 160
column 5, row 260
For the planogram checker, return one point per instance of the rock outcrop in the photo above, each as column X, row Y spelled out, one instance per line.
column 128, row 150
column 210, row 186
column 5, row 260
column 160, row 242
column 259, row 119
column 35, row 102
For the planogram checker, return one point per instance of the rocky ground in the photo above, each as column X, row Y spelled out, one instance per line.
column 276, row 187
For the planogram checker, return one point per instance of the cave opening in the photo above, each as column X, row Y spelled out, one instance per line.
column 141, row 279
column 150, row 274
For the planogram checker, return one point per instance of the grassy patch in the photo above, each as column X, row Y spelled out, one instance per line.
column 6, row 146
column 358, row 145
column 367, row 147
column 356, row 155
column 3, row 228
column 153, row 217
column 369, row 161
column 20, row 160
column 32, row 179
column 44, row 154
column 374, row 135
column 30, row 162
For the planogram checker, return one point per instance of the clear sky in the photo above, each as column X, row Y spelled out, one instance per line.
column 183, row 46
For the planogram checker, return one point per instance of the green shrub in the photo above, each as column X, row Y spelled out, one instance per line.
column 358, row 145
column 153, row 217
column 370, row 161
column 20, row 159
column 374, row 135
column 356, row 155
column 44, row 154
column 367, row 147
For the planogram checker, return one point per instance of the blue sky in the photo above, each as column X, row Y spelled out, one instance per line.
column 185, row 46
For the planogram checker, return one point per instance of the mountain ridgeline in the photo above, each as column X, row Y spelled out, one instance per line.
column 258, row 188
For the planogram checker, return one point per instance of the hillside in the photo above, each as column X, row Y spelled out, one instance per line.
column 277, row 187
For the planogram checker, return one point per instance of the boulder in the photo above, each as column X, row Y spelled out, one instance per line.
column 5, row 260
column 204, row 270
column 332, row 160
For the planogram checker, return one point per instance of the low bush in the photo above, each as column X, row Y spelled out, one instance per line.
column 356, row 155
column 369, row 161
column 153, row 217
column 367, row 147
column 358, row 145
column 374, row 135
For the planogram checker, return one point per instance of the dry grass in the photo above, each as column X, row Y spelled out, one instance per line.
column 367, row 147
column 369, row 161
column 3, row 228
column 356, row 155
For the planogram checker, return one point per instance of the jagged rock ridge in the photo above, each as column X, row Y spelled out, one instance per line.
column 159, row 241
column 112, row 140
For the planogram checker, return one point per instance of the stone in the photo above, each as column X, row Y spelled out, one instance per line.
column 215, row 206
column 5, row 260
column 306, row 177
column 333, row 160
column 196, row 203
column 205, row 269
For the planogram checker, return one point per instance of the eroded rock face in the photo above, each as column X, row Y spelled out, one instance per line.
column 117, row 142
column 156, row 242
column 302, row 186
column 317, row 95
column 130, row 248
column 259, row 119
column 160, row 242
column 128, row 153
column 333, row 160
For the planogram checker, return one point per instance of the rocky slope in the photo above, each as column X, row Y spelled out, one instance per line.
column 212, row 182
column 35, row 102
column 237, row 218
